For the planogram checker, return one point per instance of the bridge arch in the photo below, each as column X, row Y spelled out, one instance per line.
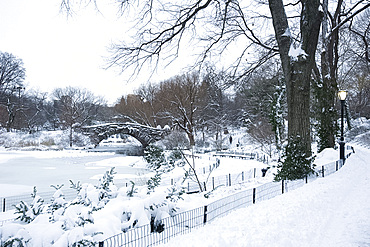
column 144, row 134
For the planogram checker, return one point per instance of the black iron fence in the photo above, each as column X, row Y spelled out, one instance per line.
column 243, row 155
column 186, row 221
column 144, row 236
column 7, row 203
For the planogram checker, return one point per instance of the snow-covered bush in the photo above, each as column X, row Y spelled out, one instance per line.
column 154, row 182
column 42, row 140
column 98, row 212
column 131, row 192
column 106, row 186
column 295, row 164
column 96, row 196
column 154, row 156
column 58, row 203
column 174, row 140
column 28, row 213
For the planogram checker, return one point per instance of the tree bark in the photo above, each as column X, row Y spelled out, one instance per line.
column 297, row 70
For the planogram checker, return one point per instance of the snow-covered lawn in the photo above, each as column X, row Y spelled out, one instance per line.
column 331, row 211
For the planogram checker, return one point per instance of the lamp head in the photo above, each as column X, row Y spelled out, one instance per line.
column 342, row 95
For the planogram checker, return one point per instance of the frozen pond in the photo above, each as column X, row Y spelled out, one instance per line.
column 26, row 169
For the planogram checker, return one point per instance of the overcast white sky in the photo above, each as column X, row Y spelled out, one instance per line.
column 58, row 51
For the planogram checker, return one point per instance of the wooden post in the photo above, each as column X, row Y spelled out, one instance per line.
column 229, row 179
column 282, row 186
column 213, row 183
column 3, row 204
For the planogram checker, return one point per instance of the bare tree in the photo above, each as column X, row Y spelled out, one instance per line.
column 76, row 107
column 180, row 101
column 212, row 27
column 34, row 112
column 336, row 15
column 12, row 75
column 134, row 109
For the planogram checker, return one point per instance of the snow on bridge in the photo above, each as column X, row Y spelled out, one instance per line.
column 144, row 134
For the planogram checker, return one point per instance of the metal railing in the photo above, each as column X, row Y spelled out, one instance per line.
column 182, row 223
column 170, row 227
column 200, row 216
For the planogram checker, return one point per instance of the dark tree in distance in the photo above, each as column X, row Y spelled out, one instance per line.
column 357, row 58
column 76, row 107
column 179, row 102
column 326, row 75
column 12, row 75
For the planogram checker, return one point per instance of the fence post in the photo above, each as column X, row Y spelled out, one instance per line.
column 101, row 244
column 336, row 165
column 254, row 173
column 171, row 181
column 243, row 176
column 213, row 183
column 3, row 204
column 322, row 170
column 205, row 214
column 306, row 179
column 254, row 195
column 229, row 179
column 282, row 186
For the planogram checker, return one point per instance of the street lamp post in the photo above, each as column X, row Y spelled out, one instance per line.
column 342, row 96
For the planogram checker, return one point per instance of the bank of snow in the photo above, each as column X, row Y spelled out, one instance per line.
column 331, row 211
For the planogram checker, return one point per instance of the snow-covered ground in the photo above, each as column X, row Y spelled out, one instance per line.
column 331, row 211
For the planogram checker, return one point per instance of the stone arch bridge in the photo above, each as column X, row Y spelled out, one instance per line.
column 144, row 134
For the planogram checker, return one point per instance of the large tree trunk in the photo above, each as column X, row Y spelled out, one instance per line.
column 326, row 92
column 297, row 66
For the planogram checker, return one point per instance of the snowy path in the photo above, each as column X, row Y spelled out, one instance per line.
column 331, row 211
